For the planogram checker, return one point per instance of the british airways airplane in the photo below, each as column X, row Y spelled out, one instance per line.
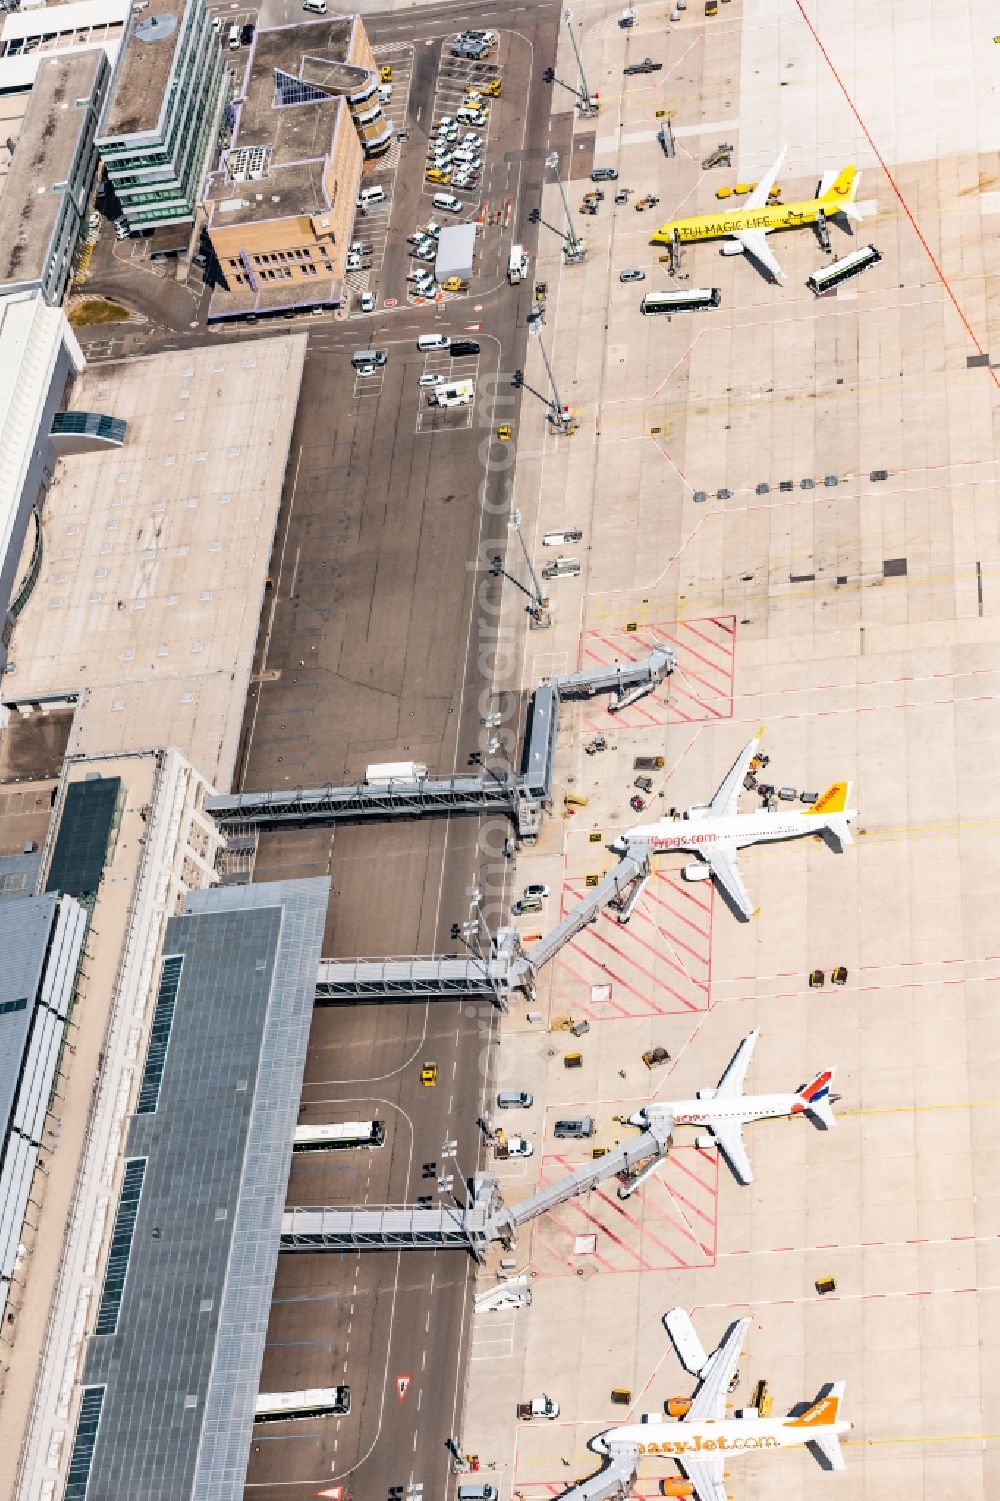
column 715, row 831
column 725, row 1110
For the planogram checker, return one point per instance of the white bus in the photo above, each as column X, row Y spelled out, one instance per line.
column 849, row 265
column 681, row 302
column 329, row 1138
column 288, row 1407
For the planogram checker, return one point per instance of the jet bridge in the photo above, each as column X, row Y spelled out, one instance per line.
column 401, row 797
column 625, row 681
column 485, row 1221
column 507, row 968
column 497, row 975
column 616, row 888
column 613, row 1483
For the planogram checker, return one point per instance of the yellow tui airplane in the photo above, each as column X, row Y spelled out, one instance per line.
column 747, row 228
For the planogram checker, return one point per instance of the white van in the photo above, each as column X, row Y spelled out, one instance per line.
column 461, row 394
column 318, row 7
column 234, row 37
column 367, row 196
column 448, row 202
column 433, row 341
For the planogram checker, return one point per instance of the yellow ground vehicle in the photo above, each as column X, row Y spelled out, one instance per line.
column 454, row 284
column 723, row 192
column 385, row 73
column 494, row 89
column 435, row 174
column 429, row 1075
column 711, row 7
column 575, row 800
column 504, row 432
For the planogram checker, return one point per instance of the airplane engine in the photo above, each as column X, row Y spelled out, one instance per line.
column 705, row 1143
column 697, row 872
column 672, row 1487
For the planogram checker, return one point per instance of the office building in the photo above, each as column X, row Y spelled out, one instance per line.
column 162, row 125
column 48, row 187
column 282, row 204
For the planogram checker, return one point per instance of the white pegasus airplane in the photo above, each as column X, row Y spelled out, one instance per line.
column 725, row 1110
column 705, row 1439
column 715, row 831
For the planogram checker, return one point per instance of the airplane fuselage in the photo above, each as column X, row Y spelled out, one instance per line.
column 731, row 1436
column 697, row 835
column 756, row 1107
column 769, row 218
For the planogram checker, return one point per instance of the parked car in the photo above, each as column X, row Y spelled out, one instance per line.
column 368, row 302
column 246, row 33
column 536, row 889
column 604, row 174
column 431, row 378
column 632, row 275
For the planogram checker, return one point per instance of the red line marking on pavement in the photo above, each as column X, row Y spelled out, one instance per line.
column 643, row 1229
column 700, row 655
column 659, row 982
column 675, row 689
column 619, row 651
column 895, row 186
column 614, row 976
column 703, row 958
column 679, row 943
column 587, row 980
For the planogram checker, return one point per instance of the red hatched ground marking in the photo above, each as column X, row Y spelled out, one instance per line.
column 544, row 1490
column 669, row 1223
column 699, row 688
column 657, row 964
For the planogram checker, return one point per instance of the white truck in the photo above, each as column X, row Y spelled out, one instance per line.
column 538, row 1407
column 396, row 771
column 459, row 393
column 517, row 266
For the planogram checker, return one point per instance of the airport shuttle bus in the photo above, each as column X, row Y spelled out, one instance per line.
column 329, row 1138
column 681, row 302
column 288, row 1407
column 850, row 265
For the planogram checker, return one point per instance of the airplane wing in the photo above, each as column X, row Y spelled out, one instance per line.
column 706, row 1477
column 729, row 1136
column 754, row 242
column 731, row 1083
column 709, row 1401
column 758, row 197
column 722, row 859
column 723, row 804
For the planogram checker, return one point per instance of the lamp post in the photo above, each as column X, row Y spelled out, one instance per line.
column 586, row 106
column 573, row 249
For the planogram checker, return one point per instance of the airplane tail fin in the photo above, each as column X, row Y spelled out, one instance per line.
column 820, row 1419
column 837, row 196
column 822, row 1413
column 832, row 809
column 833, row 800
column 814, row 1099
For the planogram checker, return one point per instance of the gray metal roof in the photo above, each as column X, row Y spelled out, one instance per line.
column 19, row 875
column 40, row 942
column 182, row 1368
column 24, row 937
